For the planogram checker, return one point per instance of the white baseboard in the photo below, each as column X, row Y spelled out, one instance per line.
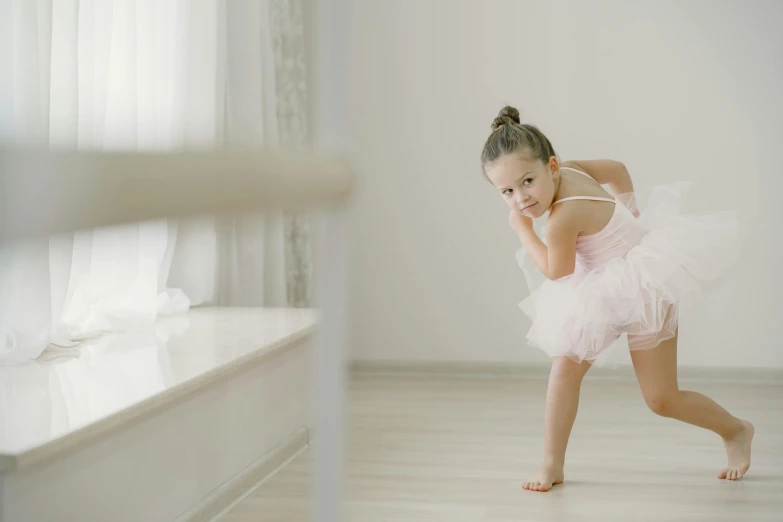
column 239, row 487
column 493, row 370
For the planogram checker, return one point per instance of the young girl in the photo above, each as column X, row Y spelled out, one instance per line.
column 609, row 270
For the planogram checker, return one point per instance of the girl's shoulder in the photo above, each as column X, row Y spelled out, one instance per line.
column 567, row 217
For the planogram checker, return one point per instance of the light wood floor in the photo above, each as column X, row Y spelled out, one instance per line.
column 458, row 449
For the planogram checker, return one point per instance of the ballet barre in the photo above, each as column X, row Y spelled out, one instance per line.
column 45, row 193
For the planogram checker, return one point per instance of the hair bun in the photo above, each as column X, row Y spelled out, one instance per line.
column 506, row 116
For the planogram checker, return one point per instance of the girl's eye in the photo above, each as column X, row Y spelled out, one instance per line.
column 527, row 181
column 507, row 192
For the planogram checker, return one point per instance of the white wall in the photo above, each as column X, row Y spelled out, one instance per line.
column 676, row 90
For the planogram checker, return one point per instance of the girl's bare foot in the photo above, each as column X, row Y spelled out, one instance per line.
column 738, row 450
column 546, row 477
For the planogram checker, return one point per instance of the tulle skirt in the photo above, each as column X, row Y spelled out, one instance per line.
column 640, row 293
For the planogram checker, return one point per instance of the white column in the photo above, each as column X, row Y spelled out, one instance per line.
column 6, row 71
column 330, row 78
column 330, row 291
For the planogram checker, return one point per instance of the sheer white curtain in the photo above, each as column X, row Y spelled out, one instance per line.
column 248, row 242
column 143, row 75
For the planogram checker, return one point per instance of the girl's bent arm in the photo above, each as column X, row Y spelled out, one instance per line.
column 559, row 258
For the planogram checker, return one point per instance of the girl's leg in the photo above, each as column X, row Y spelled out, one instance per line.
column 656, row 370
column 562, row 401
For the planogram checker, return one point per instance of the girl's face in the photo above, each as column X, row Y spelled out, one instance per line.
column 526, row 184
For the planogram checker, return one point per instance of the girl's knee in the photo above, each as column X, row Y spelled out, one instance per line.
column 660, row 403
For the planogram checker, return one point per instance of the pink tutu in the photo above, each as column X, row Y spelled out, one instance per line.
column 633, row 277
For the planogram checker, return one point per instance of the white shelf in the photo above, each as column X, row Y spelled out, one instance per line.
column 48, row 407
